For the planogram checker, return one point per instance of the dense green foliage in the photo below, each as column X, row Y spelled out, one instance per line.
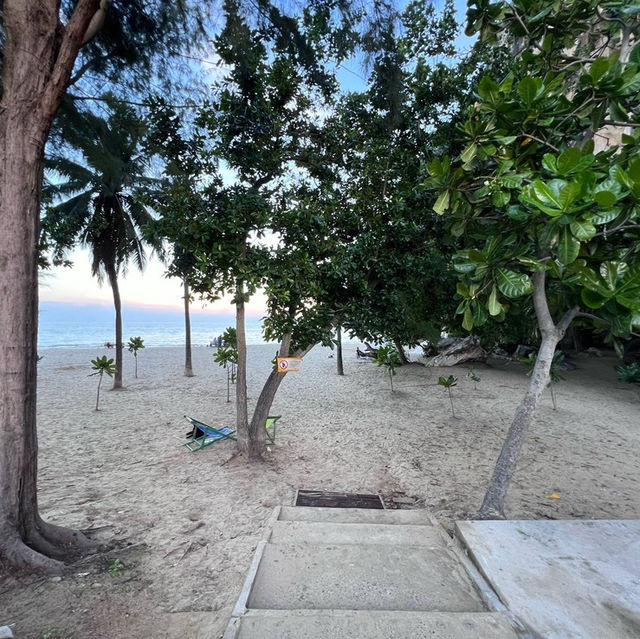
column 535, row 188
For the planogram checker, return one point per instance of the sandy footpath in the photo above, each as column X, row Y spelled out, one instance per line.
column 187, row 523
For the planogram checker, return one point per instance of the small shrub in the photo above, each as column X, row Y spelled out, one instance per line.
column 474, row 377
column 449, row 383
column 227, row 356
column 388, row 357
column 629, row 373
column 115, row 569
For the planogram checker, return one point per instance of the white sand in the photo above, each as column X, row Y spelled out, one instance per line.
column 194, row 519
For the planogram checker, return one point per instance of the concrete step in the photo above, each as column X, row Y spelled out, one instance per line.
column 366, row 577
column 322, row 532
column 356, row 515
column 354, row 624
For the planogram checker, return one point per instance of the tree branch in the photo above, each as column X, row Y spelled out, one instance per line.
column 567, row 318
column 540, row 304
column 71, row 40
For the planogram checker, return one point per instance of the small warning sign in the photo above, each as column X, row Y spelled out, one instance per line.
column 289, row 364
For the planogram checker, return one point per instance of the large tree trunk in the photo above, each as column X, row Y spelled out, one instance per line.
column 117, row 304
column 493, row 503
column 38, row 58
column 403, row 357
column 339, row 350
column 242, row 420
column 188, row 368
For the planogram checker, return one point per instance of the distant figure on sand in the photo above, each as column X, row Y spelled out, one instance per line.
column 109, row 344
column 370, row 354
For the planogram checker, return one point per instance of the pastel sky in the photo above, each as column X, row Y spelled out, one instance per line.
column 147, row 289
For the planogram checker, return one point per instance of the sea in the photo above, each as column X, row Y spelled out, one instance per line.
column 66, row 325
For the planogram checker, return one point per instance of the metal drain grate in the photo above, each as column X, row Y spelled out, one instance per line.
column 337, row 500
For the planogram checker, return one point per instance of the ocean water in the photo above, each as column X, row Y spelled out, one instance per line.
column 64, row 325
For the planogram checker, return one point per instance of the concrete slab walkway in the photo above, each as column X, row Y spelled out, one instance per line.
column 578, row 579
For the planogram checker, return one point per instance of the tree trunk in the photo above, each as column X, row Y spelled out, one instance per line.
column 339, row 350
column 188, row 368
column 98, row 393
column 113, row 280
column 37, row 62
column 265, row 400
column 493, row 503
column 242, row 419
column 403, row 357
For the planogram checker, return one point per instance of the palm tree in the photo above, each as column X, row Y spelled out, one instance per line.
column 101, row 174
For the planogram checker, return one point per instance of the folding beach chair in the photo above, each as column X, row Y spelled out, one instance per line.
column 204, row 435
column 270, row 426
column 207, row 434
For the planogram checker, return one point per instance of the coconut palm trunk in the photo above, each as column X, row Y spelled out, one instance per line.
column 188, row 368
column 113, row 281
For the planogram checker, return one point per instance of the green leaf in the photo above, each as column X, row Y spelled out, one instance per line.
column 569, row 160
column 493, row 305
column 458, row 228
column 550, row 163
column 592, row 299
column 598, row 69
column 545, row 194
column 517, row 213
column 568, row 246
column 602, row 218
column 442, row 203
column 528, row 89
column 605, row 199
column 513, row 284
column 584, row 231
column 500, row 199
column 467, row 321
column 611, row 272
column 464, row 267
column 469, row 153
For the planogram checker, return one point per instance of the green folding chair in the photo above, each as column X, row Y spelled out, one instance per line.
column 209, row 435
column 270, row 427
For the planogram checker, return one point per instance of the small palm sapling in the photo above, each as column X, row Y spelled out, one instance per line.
column 134, row 345
column 226, row 356
column 102, row 365
column 474, row 377
column 388, row 357
column 449, row 383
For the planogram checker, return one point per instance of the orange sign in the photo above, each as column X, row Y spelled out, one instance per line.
column 289, row 364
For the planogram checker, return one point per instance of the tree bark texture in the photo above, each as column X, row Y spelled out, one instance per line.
column 117, row 304
column 188, row 367
column 493, row 503
column 38, row 58
column 339, row 350
column 403, row 357
column 242, row 419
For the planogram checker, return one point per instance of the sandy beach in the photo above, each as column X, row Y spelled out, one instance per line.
column 186, row 524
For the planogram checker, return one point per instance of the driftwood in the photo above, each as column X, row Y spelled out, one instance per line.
column 454, row 351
